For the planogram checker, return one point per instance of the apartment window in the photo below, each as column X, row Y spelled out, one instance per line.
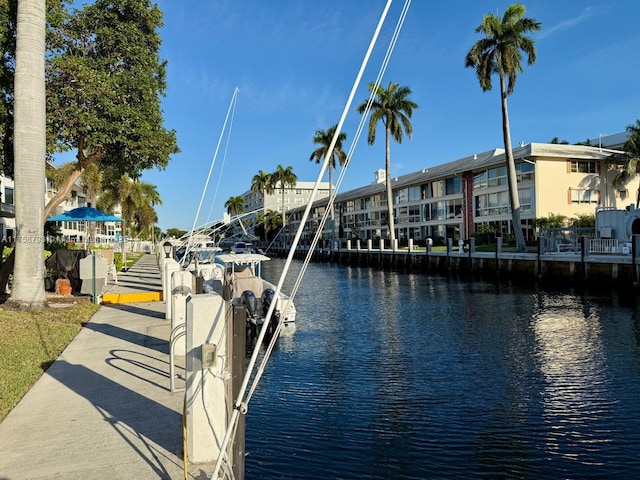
column 453, row 185
column 583, row 166
column 8, row 195
column 497, row 177
column 438, row 188
column 480, row 180
column 622, row 194
column 401, row 196
column 414, row 194
column 579, row 195
column 524, row 172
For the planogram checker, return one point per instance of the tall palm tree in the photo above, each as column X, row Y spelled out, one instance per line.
column 337, row 156
column 29, row 156
column 235, row 205
column 283, row 178
column 261, row 183
column 500, row 51
column 632, row 158
column 394, row 108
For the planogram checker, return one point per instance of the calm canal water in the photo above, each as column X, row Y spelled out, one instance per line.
column 400, row 376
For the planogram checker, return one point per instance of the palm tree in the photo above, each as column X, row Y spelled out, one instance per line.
column 283, row 178
column 394, row 108
column 235, row 205
column 90, row 179
column 500, row 52
column 29, row 157
column 271, row 220
column 261, row 184
column 136, row 199
column 337, row 156
column 632, row 158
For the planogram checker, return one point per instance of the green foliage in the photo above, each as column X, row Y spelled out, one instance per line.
column 552, row 221
column 104, row 84
column 176, row 232
column 485, row 234
column 584, row 220
column 136, row 199
column 283, row 177
column 235, row 205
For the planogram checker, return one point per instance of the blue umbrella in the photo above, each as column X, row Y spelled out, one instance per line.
column 84, row 213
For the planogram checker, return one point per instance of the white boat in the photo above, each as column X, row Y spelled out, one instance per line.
column 237, row 278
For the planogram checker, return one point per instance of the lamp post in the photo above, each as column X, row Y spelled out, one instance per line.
column 167, row 247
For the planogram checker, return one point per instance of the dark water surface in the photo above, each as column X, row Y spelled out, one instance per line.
column 400, row 376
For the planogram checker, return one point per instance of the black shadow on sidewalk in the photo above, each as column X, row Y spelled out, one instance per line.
column 132, row 308
column 130, row 414
column 158, row 344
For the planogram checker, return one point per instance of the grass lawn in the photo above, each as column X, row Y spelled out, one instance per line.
column 132, row 258
column 31, row 341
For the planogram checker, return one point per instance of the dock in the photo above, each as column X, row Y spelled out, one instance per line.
column 103, row 409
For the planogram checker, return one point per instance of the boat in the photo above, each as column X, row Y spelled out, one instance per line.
column 237, row 278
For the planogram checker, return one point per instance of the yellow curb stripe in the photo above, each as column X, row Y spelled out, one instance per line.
column 132, row 297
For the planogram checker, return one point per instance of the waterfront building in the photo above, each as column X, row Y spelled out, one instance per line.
column 79, row 232
column 456, row 199
column 294, row 197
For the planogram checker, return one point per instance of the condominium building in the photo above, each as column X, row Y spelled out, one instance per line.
column 294, row 197
column 455, row 199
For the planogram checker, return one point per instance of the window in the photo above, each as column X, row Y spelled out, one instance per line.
column 8, row 195
column 480, row 180
column 524, row 172
column 401, row 196
column 498, row 203
column 453, row 185
column 578, row 195
column 622, row 194
column 497, row 176
column 583, row 166
column 438, row 188
column 414, row 194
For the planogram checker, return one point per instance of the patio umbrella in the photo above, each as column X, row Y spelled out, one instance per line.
column 84, row 213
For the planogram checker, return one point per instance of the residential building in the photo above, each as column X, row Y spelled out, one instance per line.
column 455, row 199
column 294, row 197
column 70, row 231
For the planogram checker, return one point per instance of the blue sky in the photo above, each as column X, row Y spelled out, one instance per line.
column 295, row 61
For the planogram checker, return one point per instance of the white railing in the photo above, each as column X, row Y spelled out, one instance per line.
column 604, row 245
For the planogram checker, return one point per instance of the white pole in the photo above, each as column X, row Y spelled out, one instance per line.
column 239, row 404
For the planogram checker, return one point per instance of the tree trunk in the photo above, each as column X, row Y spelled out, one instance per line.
column 27, row 291
column 512, row 178
column 392, row 224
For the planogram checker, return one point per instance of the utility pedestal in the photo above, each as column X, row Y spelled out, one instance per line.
column 169, row 266
column 182, row 285
column 208, row 382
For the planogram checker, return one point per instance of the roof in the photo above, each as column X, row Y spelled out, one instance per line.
column 241, row 258
column 475, row 162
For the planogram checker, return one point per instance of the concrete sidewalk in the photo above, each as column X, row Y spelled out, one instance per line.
column 141, row 283
column 103, row 410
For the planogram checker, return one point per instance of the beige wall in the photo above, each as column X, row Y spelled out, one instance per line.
column 553, row 184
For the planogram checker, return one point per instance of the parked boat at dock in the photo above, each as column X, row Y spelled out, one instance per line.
column 237, row 278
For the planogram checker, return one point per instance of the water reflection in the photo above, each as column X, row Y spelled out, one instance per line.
column 414, row 377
